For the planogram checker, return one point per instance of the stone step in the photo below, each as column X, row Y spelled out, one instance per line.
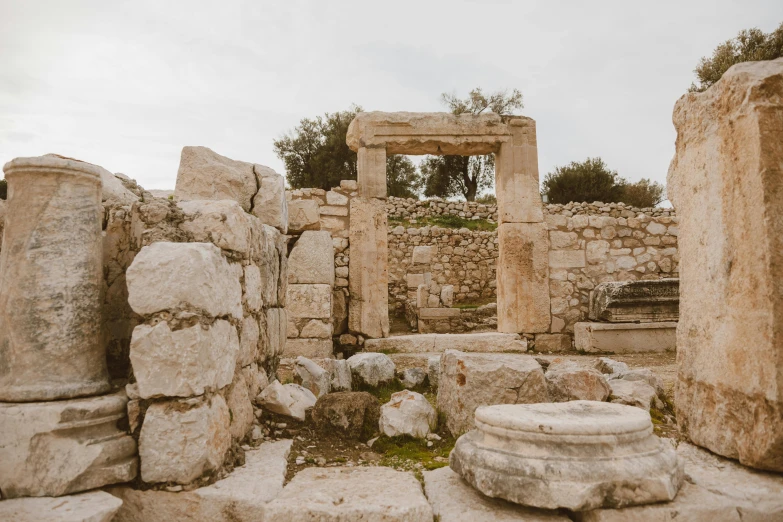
column 625, row 337
column 93, row 506
column 439, row 343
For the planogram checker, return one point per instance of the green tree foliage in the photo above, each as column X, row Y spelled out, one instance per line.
column 447, row 176
column 316, row 156
column 750, row 45
column 592, row 180
column 3, row 189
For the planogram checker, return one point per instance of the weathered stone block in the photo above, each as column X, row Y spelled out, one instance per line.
column 310, row 348
column 269, row 203
column 181, row 440
column 567, row 381
column 368, row 268
column 554, row 342
column 204, row 174
column 636, row 301
column 223, row 223
column 312, row 259
column 95, row 506
column 516, row 176
column 470, row 380
column 566, row 259
column 439, row 343
column 371, row 172
column 239, row 407
column 523, row 278
column 183, row 363
column 728, row 393
column 353, row 415
column 309, row 301
column 162, row 274
column 625, row 337
column 61, row 447
column 422, row 255
column 303, row 215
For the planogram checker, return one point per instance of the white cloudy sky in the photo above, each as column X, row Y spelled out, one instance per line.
column 125, row 84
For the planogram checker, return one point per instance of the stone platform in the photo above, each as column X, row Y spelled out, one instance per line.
column 94, row 506
column 439, row 343
column 625, row 337
column 577, row 455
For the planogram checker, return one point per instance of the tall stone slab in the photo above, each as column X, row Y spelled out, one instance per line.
column 371, row 172
column 726, row 182
column 51, row 275
column 523, row 278
column 368, row 270
column 516, row 175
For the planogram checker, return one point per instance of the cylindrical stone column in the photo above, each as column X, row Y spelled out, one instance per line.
column 50, row 281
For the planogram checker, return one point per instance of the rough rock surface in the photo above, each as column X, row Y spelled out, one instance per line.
column 371, row 369
column 240, row 407
column 568, row 381
column 180, row 440
column 610, row 366
column 724, row 181
column 204, row 174
column 312, row 259
column 577, row 455
column 61, row 447
column 454, row 500
column 222, row 223
column 162, row 274
column 312, row 376
column 269, row 203
column 340, row 373
column 632, row 393
column 353, row 415
column 470, row 380
column 94, row 506
column 408, row 413
column 412, row 377
column 309, row 301
column 183, row 363
column 438, row 343
column 371, row 494
column 287, row 399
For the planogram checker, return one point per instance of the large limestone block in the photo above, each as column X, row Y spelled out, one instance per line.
column 183, row 363
column 438, row 343
column 287, row 399
column 371, row 494
column 454, row 500
column 269, row 203
column 61, row 447
column 190, row 276
column 567, row 381
column 523, row 278
column 309, row 301
column 95, row 506
column 240, row 497
column 578, row 455
column 371, row 369
column 312, row 259
column 371, row 172
column 181, row 440
column 312, row 376
column 368, row 269
column 470, row 380
column 205, row 174
column 625, row 337
column 51, row 275
column 303, row 215
column 276, row 331
column 725, row 183
column 408, row 413
column 223, row 223
column 310, row 348
column 240, row 407
column 268, row 247
column 516, row 175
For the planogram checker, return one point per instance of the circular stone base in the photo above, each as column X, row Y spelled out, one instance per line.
column 578, row 455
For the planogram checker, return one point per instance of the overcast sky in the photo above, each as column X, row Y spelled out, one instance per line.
column 126, row 84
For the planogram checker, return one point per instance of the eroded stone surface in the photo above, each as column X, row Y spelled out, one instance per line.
column 204, row 174
column 61, row 447
column 408, row 413
column 368, row 268
column 95, row 506
column 625, row 337
column 729, row 399
column 568, row 381
column 312, row 376
column 578, row 455
column 439, row 343
column 309, row 301
column 223, row 223
column 287, row 399
column 371, row 369
column 312, row 259
column 636, row 301
column 269, row 203
column 351, row 495
column 354, row 415
column 303, row 215
column 470, row 380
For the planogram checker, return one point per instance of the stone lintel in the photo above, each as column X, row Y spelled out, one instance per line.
column 625, row 337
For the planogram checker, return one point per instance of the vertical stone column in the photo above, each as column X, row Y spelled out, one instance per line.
column 368, row 278
column 371, row 171
column 726, row 182
column 523, row 243
column 50, row 282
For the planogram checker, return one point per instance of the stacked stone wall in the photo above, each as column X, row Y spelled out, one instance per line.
column 409, row 208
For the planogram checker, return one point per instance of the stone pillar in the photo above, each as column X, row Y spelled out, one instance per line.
column 371, row 171
column 726, row 182
column 50, row 282
column 523, row 243
column 368, row 277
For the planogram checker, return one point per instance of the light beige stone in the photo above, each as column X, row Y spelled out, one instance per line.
column 438, row 343
column 204, row 174
column 312, row 377
column 728, row 393
column 371, row 494
column 269, row 203
column 553, row 342
column 371, row 172
column 368, row 267
column 371, row 369
column 240, row 407
column 162, row 274
column 60, row 447
column 339, row 312
column 438, row 313
column 632, row 393
column 51, row 277
column 566, row 259
column 240, row 497
column 249, row 338
column 223, row 223
column 318, row 329
column 312, row 259
column 95, row 506
column 516, row 175
column 287, row 399
column 578, row 455
column 183, row 363
column 523, row 278
column 331, row 210
column 408, row 413
column 253, row 289
column 310, row 348
column 625, row 337
column 470, row 380
column 303, row 215
column 567, row 381
column 309, row 301
column 181, row 440
column 454, row 500
column 423, row 255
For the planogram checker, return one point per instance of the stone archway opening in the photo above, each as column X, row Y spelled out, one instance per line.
column 522, row 269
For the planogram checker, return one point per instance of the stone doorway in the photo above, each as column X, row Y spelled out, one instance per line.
column 522, row 271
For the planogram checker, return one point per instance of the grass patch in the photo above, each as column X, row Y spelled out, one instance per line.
column 408, row 453
column 384, row 391
column 446, row 221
